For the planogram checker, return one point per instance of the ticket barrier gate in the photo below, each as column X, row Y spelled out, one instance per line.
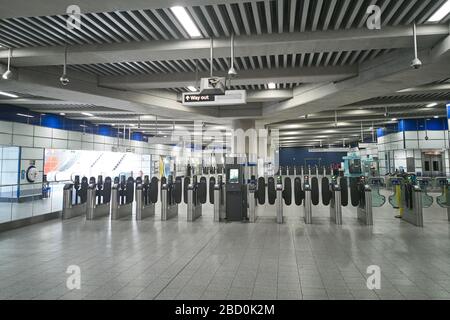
column 311, row 192
column 170, row 197
column 194, row 197
column 75, row 198
column 98, row 198
column 444, row 199
column 413, row 207
column 365, row 208
column 122, row 198
column 407, row 198
column 335, row 201
column 217, row 197
column 252, row 196
column 307, row 203
column 279, row 194
column 376, row 183
column 424, row 184
column 279, row 200
column 146, row 197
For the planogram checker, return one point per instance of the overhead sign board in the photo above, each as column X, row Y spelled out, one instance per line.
column 367, row 145
column 319, row 150
column 231, row 97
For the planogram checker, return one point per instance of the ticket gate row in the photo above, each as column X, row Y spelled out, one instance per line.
column 410, row 196
column 98, row 198
column 307, row 192
column 102, row 197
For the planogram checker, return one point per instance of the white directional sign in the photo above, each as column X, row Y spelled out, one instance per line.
column 231, row 97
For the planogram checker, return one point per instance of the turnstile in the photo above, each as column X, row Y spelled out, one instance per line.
column 169, row 207
column 75, row 198
column 146, row 197
column 217, row 197
column 307, row 201
column 413, row 209
column 365, row 209
column 252, row 201
column 98, row 198
column 444, row 199
column 425, row 183
column 122, row 197
column 194, row 206
column 335, row 203
column 279, row 200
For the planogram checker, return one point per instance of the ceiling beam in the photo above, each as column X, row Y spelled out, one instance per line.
column 380, row 77
column 247, row 77
column 395, row 103
column 269, row 95
column 429, row 88
column 42, row 83
column 261, row 45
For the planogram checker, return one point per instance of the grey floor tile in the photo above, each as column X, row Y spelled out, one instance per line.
column 207, row 260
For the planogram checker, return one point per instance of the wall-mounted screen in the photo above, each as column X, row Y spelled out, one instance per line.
column 234, row 176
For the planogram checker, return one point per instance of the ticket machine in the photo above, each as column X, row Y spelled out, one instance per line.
column 236, row 192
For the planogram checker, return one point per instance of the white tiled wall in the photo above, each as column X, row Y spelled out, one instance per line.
column 412, row 145
column 24, row 135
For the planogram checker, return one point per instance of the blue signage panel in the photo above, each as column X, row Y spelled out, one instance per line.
column 448, row 114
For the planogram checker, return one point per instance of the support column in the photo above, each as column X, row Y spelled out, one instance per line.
column 244, row 144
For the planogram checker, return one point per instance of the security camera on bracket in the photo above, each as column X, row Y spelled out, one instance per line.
column 416, row 63
column 64, row 79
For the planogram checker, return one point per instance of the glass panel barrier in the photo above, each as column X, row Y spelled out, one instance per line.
column 6, row 195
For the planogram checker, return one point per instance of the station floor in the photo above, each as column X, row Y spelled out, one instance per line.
column 174, row 259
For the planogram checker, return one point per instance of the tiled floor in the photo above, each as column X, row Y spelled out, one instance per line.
column 205, row 260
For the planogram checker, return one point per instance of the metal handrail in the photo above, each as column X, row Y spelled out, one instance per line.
column 38, row 183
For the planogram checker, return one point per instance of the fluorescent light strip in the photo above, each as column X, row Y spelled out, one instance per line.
column 431, row 105
column 186, row 21
column 272, row 86
column 442, row 12
column 6, row 94
column 192, row 89
column 87, row 114
column 25, row 115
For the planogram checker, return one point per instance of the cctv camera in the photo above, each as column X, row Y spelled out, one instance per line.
column 64, row 80
column 416, row 64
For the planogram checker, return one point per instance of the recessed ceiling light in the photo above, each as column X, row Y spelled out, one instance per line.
column 6, row 94
column 436, row 117
column 441, row 13
column 25, row 115
column 394, row 119
column 431, row 105
column 272, row 86
column 192, row 89
column 87, row 114
column 186, row 21
column 83, row 125
column 62, row 114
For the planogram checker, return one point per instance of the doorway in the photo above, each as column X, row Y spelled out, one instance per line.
column 432, row 164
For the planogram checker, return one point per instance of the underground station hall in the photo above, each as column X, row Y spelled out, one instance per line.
column 225, row 151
